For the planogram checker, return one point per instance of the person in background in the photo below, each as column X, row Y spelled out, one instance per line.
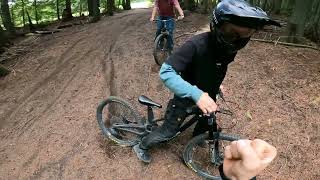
column 165, row 11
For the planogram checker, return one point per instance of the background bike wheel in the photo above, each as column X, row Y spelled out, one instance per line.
column 197, row 157
column 160, row 51
column 116, row 110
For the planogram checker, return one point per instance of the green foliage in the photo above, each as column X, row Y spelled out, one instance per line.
column 46, row 10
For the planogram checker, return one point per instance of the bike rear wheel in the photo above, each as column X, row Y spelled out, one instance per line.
column 161, row 51
column 199, row 152
column 119, row 121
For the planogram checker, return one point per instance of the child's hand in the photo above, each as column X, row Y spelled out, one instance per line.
column 180, row 17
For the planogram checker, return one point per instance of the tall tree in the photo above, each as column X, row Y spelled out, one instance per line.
column 36, row 11
column 80, row 7
column 58, row 9
column 189, row 5
column 23, row 13
column 313, row 28
column 204, row 6
column 2, row 38
column 287, row 5
column 297, row 20
column 6, row 17
column 277, row 6
column 126, row 4
column 67, row 13
column 90, row 7
column 110, row 7
column 264, row 4
column 94, row 11
column 31, row 26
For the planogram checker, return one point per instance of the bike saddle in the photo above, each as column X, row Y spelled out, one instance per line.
column 146, row 101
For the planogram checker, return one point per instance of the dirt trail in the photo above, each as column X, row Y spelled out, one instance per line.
column 48, row 128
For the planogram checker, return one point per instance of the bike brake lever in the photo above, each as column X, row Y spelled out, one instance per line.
column 225, row 111
column 220, row 94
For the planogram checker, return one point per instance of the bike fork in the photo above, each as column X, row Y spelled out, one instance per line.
column 215, row 156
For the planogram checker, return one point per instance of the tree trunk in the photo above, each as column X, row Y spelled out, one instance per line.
column 189, row 5
column 95, row 11
column 211, row 5
column 36, row 11
column 298, row 19
column 270, row 5
column 31, row 26
column 313, row 29
column 80, row 8
column 6, row 17
column 277, row 6
column 67, row 13
column 12, row 17
column 23, row 15
column 3, row 40
column 127, row 5
column 90, row 8
column 264, row 5
column 287, row 5
column 105, row 6
column 206, row 6
column 110, row 5
column 58, row 9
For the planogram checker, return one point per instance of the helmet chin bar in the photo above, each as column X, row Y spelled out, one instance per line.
column 229, row 48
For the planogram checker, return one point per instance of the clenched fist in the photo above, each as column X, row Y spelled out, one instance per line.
column 244, row 159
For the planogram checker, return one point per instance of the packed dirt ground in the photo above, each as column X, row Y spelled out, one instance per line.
column 48, row 128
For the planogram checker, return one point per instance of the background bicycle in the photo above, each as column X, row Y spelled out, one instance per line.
column 163, row 44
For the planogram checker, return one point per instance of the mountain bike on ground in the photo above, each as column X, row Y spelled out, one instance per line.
column 121, row 123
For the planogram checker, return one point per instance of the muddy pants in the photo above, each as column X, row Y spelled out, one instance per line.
column 174, row 117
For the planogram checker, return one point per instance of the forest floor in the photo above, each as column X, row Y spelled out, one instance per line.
column 48, row 128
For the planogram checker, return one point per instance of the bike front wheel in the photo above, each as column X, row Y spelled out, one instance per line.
column 119, row 121
column 161, row 51
column 203, row 156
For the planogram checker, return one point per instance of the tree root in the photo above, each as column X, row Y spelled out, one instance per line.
column 286, row 44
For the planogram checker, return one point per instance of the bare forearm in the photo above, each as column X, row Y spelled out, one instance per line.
column 180, row 11
column 154, row 12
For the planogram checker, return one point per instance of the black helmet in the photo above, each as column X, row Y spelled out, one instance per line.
column 241, row 13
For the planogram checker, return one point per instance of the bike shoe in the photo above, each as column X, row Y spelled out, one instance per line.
column 142, row 154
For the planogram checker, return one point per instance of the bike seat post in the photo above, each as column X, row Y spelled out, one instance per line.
column 150, row 115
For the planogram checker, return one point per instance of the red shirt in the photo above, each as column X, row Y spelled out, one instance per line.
column 165, row 7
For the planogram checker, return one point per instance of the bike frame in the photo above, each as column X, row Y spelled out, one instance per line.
column 213, row 135
column 164, row 30
column 211, row 122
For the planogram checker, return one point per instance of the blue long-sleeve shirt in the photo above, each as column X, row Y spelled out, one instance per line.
column 177, row 85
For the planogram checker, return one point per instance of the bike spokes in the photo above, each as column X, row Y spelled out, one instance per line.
column 216, row 156
column 161, row 51
column 120, row 122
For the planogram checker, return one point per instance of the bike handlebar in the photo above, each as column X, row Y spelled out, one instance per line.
column 196, row 110
column 166, row 20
